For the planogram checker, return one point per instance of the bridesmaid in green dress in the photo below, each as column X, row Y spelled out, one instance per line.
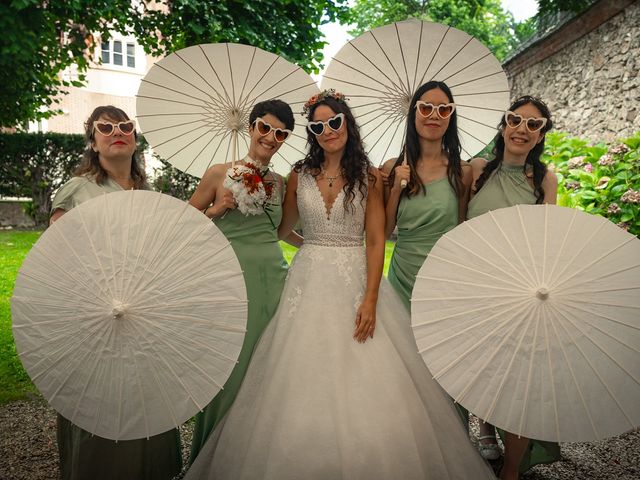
column 254, row 239
column 515, row 176
column 427, row 189
column 428, row 184
column 110, row 164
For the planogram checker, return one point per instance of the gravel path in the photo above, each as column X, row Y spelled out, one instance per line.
column 28, row 450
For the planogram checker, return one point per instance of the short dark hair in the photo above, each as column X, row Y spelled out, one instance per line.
column 275, row 107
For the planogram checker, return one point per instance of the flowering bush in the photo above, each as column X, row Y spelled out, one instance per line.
column 599, row 179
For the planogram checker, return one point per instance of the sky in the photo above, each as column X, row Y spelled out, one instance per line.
column 521, row 10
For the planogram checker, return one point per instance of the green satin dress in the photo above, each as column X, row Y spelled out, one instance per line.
column 507, row 186
column 421, row 220
column 254, row 239
column 86, row 456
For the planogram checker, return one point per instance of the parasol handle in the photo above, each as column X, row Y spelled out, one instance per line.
column 403, row 182
column 234, row 146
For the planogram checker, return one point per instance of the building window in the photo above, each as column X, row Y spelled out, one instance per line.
column 105, row 56
column 131, row 55
column 117, row 52
column 112, row 52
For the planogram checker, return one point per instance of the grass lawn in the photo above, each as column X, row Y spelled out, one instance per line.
column 14, row 246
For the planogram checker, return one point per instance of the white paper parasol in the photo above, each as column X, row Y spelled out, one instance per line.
column 193, row 106
column 529, row 317
column 129, row 313
column 381, row 69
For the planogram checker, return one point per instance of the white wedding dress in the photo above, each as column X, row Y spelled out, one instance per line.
column 316, row 404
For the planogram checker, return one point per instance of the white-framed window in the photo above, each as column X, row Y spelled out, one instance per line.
column 118, row 52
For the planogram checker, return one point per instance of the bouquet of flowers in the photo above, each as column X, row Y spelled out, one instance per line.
column 249, row 188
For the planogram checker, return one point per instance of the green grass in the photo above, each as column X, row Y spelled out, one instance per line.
column 14, row 381
column 14, row 246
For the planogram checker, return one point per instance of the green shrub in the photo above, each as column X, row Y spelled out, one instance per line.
column 599, row 179
column 35, row 165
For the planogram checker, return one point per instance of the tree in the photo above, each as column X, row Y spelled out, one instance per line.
column 35, row 165
column 168, row 179
column 484, row 19
column 41, row 38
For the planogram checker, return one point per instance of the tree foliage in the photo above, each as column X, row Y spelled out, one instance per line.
column 35, row 165
column 483, row 19
column 174, row 182
column 41, row 38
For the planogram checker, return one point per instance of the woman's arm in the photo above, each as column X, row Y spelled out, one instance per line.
column 56, row 215
column 550, row 187
column 392, row 194
column 374, row 231
column 209, row 196
column 463, row 200
column 477, row 167
column 290, row 211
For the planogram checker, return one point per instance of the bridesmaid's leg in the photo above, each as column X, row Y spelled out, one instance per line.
column 514, row 448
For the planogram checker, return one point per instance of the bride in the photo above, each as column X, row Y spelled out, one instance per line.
column 335, row 388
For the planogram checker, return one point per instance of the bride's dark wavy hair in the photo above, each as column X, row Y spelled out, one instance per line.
column 532, row 163
column 450, row 145
column 354, row 163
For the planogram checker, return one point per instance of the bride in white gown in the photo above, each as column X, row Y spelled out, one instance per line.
column 335, row 388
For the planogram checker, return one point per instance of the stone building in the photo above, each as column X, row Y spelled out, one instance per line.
column 586, row 68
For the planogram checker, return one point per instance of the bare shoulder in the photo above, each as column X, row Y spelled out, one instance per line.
column 550, row 179
column 477, row 164
column 376, row 173
column 216, row 171
column 467, row 172
column 388, row 165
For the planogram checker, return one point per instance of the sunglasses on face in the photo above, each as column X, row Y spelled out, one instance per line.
column 107, row 128
column 514, row 120
column 444, row 110
column 280, row 134
column 334, row 123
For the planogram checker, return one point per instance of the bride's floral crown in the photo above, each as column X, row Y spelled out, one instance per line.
column 330, row 93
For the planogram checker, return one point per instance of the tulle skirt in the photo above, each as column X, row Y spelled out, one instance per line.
column 316, row 404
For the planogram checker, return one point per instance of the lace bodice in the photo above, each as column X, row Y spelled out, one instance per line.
column 337, row 227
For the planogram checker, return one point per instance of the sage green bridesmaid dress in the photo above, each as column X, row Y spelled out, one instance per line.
column 507, row 186
column 87, row 456
column 254, row 239
column 421, row 220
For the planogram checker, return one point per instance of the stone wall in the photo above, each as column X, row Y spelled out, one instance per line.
column 12, row 215
column 587, row 72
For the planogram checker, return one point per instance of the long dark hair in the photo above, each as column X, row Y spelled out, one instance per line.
column 90, row 165
column 354, row 163
column 532, row 163
column 450, row 145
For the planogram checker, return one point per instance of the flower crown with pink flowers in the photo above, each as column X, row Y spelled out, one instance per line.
column 330, row 93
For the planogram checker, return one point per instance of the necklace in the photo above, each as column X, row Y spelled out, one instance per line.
column 328, row 178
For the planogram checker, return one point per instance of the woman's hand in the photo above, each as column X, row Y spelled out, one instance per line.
column 365, row 320
column 402, row 172
column 223, row 203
